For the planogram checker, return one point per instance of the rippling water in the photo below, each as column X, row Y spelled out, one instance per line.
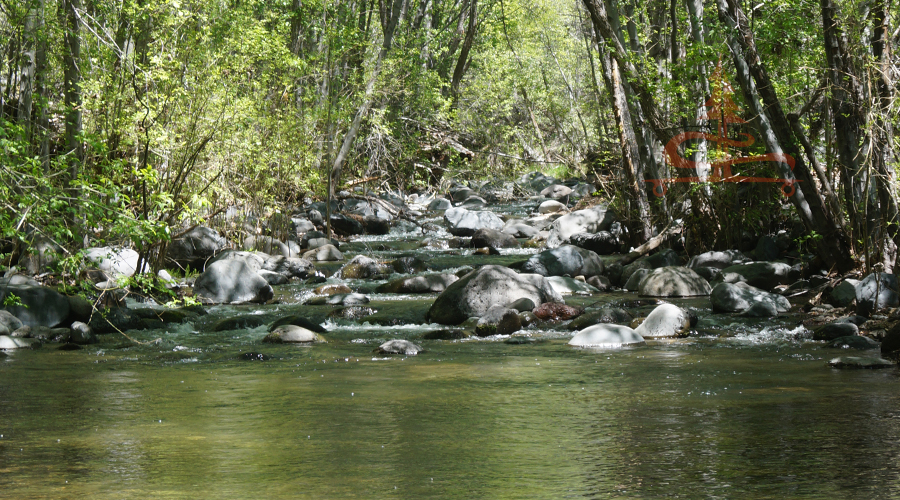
column 700, row 417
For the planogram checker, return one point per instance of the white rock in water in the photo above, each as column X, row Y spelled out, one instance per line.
column 7, row 342
column 397, row 346
column 291, row 334
column 667, row 320
column 606, row 335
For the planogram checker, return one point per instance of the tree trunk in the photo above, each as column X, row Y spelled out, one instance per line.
column 396, row 14
column 72, row 83
column 832, row 246
column 462, row 63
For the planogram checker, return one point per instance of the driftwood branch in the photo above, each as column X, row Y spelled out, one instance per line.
column 653, row 243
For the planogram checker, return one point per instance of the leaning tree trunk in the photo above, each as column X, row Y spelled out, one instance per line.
column 833, row 246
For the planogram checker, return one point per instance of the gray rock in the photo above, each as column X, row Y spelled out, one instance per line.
column 346, row 226
column 463, row 222
column 82, row 334
column 430, row 283
column 498, row 320
column 535, row 181
column 760, row 310
column 398, row 346
column 479, row 290
column 324, row 253
column 859, row 362
column 41, row 253
column 710, row 274
column 297, row 321
column 494, row 239
column 601, row 283
column 844, row 294
column 556, row 191
column 292, row 267
column 833, row 331
column 717, row 259
column 267, row 245
column 765, row 275
column 300, row 225
column 273, row 278
column 41, row 306
column 666, row 320
column 589, row 220
column 672, row 281
column 854, row 342
column 551, row 207
column 520, row 230
column 232, row 281
column 7, row 342
column 602, row 315
column 114, row 261
column 473, row 202
column 10, row 323
column 291, row 334
column 362, row 267
column 568, row 286
column 522, row 305
column 606, row 335
column 738, row 297
column 565, row 260
column 439, row 204
column 634, row 281
column 601, row 242
column 874, row 293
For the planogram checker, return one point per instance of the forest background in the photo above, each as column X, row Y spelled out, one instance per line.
column 126, row 121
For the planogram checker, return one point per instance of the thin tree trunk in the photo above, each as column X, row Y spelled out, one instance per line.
column 396, row 14
column 833, row 246
column 463, row 61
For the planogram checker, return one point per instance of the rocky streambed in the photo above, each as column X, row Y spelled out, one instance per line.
column 469, row 344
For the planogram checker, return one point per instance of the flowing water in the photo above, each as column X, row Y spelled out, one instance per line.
column 739, row 409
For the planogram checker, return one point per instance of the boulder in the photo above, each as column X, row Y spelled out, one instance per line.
column 835, row 330
column 481, row 289
column 602, row 315
column 245, row 322
column 589, row 220
column 601, row 283
column 535, row 181
column 844, row 294
column 551, row 207
column 717, row 259
column 39, row 305
column 377, row 224
column 854, row 342
column 397, row 346
column 114, row 261
column 292, row 267
column 522, row 305
column 606, row 335
column 42, row 252
column 601, row 242
column 273, row 278
column 332, row 289
column 568, row 286
column 7, row 342
column 555, row 311
column 498, row 320
column 409, row 264
column 565, row 260
column 556, row 192
column 430, row 283
column 232, row 281
column 297, row 321
column 760, row 310
column 346, row 226
column 473, row 202
column 633, row 284
column 8, row 322
column 738, row 297
column 463, row 222
column 494, row 239
column 765, row 275
column 666, row 320
column 520, row 230
column 439, row 204
column 876, row 291
column 362, row 267
column 267, row 245
column 291, row 334
column 673, row 281
column 82, row 334
column 324, row 253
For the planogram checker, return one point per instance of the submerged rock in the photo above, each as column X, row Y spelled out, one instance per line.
column 339, row 299
column 7, row 342
column 603, row 315
column 291, row 334
column 431, row 283
column 854, row 342
column 498, row 320
column 362, row 267
column 835, row 330
column 859, row 362
column 398, row 346
column 555, row 311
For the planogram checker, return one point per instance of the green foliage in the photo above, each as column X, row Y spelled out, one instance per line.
column 12, row 300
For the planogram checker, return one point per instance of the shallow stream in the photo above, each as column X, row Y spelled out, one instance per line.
column 740, row 409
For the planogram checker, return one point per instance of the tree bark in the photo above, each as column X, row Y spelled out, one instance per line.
column 462, row 63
